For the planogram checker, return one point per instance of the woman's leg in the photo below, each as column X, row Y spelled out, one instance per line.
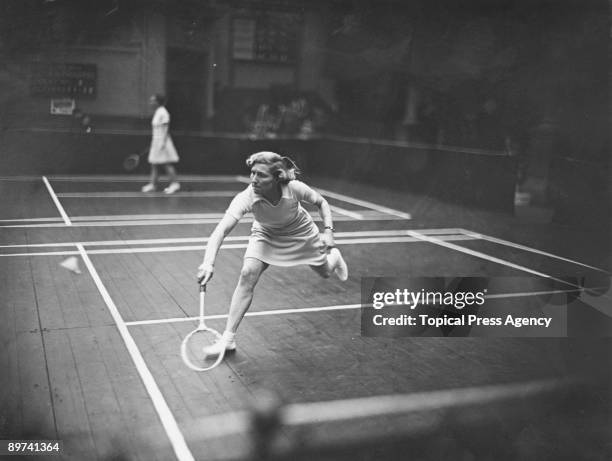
column 243, row 294
column 171, row 171
column 154, row 174
column 174, row 185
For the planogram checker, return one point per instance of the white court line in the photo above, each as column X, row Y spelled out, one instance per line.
column 365, row 204
column 44, row 253
column 135, row 217
column 531, row 293
column 208, row 193
column 59, row 206
column 338, row 307
column 55, row 219
column 125, row 217
column 231, row 238
column 526, row 248
column 250, row 314
column 169, row 249
column 487, row 257
column 176, row 222
column 124, row 178
column 345, row 212
column 165, row 415
column 144, row 222
column 354, row 201
column 20, row 178
column 97, row 243
column 133, row 178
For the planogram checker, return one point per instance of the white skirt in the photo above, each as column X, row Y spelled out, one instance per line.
column 301, row 245
column 160, row 152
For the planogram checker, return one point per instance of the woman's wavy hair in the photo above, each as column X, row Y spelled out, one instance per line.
column 283, row 168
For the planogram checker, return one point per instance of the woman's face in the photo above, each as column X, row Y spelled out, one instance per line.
column 262, row 179
column 153, row 102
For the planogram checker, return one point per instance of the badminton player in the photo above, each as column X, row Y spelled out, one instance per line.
column 162, row 151
column 283, row 234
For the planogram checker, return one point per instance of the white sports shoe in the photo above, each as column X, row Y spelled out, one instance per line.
column 172, row 188
column 148, row 188
column 217, row 347
column 339, row 265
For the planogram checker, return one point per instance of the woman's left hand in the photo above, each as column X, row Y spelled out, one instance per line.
column 328, row 238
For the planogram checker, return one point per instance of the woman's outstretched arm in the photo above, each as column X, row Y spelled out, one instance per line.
column 225, row 226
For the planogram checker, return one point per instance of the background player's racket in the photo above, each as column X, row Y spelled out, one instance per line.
column 192, row 347
column 131, row 162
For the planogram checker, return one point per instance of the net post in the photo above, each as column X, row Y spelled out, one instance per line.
column 264, row 423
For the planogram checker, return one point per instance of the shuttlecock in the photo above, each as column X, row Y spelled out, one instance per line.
column 72, row 264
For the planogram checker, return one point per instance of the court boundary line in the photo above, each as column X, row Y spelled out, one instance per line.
column 169, row 249
column 144, row 217
column 488, row 257
column 518, row 246
column 370, row 233
column 145, row 195
column 349, row 213
column 176, row 222
column 54, row 219
column 365, row 204
column 363, row 214
column 338, row 307
column 134, row 178
column 58, row 205
column 164, row 413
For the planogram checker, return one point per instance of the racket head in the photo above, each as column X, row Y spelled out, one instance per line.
column 131, row 162
column 192, row 349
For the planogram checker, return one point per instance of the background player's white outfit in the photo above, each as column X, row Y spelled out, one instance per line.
column 283, row 234
column 162, row 148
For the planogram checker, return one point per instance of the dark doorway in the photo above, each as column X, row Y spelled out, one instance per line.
column 186, row 88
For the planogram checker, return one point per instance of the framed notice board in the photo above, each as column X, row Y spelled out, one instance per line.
column 60, row 79
column 266, row 37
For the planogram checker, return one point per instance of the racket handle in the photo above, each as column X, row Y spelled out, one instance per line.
column 202, row 293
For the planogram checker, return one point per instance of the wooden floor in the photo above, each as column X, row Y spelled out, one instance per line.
column 93, row 358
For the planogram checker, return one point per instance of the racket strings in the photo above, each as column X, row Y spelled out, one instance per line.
column 132, row 161
column 196, row 344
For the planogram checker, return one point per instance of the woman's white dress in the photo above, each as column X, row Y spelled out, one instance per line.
column 162, row 148
column 283, row 234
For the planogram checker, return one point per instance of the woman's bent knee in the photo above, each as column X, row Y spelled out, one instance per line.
column 249, row 274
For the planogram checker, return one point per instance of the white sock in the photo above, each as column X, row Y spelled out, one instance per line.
column 228, row 336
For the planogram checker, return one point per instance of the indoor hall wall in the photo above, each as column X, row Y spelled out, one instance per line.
column 127, row 74
column 302, row 75
column 478, row 180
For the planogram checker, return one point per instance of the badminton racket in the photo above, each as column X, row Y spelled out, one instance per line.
column 194, row 344
column 131, row 162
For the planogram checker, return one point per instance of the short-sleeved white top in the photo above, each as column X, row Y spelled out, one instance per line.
column 160, row 118
column 283, row 234
column 285, row 213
